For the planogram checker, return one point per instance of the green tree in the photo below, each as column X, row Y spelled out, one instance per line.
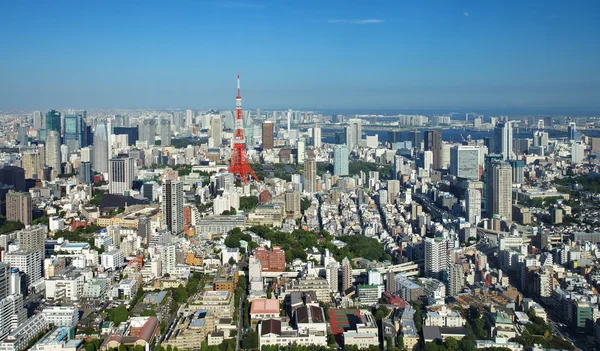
column 118, row 315
column 381, row 312
column 248, row 203
column 148, row 313
column 451, row 344
column 90, row 347
column 231, row 261
column 180, row 294
column 250, row 340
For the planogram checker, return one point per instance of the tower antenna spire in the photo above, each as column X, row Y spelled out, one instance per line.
column 239, row 160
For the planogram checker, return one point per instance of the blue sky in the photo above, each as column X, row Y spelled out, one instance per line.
column 300, row 54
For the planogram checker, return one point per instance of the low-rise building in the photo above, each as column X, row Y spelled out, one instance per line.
column 274, row 332
column 262, row 309
column 444, row 318
column 61, row 316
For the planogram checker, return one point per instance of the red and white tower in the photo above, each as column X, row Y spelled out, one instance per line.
column 239, row 161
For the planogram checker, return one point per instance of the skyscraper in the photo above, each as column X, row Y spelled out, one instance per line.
column 572, row 131
column 353, row 133
column 172, row 205
column 301, row 151
column 503, row 136
column 18, row 207
column 120, row 175
column 436, row 258
column 289, row 120
column 37, row 120
column 147, row 131
column 267, row 135
column 433, row 143
column 73, row 131
column 12, row 175
column 53, row 121
column 464, row 161
column 316, row 137
column 415, row 137
column 165, row 132
column 473, row 205
column 500, row 190
column 293, row 203
column 346, row 274
column 340, row 160
column 310, row 176
column 131, row 132
column 216, row 130
column 85, row 172
column 53, row 151
column 100, row 159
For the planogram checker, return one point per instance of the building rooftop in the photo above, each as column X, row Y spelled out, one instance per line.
column 264, row 306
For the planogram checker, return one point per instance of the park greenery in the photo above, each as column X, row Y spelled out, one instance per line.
column 298, row 241
column 284, row 170
column 9, row 226
column 248, row 203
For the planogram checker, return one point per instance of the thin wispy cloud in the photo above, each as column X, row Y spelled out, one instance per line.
column 466, row 14
column 357, row 21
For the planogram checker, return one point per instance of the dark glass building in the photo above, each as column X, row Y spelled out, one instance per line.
column 131, row 132
column 53, row 121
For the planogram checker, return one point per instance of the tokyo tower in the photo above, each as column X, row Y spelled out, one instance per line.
column 239, row 161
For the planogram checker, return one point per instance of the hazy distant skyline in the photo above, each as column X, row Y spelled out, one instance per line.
column 301, row 54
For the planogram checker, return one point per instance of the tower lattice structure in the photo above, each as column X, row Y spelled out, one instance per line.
column 239, row 161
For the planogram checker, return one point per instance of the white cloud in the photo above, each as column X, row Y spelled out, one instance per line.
column 466, row 14
column 358, row 21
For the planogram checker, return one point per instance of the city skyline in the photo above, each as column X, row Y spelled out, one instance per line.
column 305, row 55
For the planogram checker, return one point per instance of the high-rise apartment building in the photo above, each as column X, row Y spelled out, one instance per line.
column 120, row 175
column 32, row 238
column 433, row 143
column 393, row 188
column 346, row 274
column 340, row 160
column 464, row 161
column 100, row 159
column 353, row 133
column 53, row 151
column 267, row 135
column 172, row 205
column 301, row 151
column 18, row 207
column 292, row 203
column 436, row 258
column 456, row 279
column 310, row 176
column 33, row 164
column 473, row 205
column 28, row 262
column 500, row 190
